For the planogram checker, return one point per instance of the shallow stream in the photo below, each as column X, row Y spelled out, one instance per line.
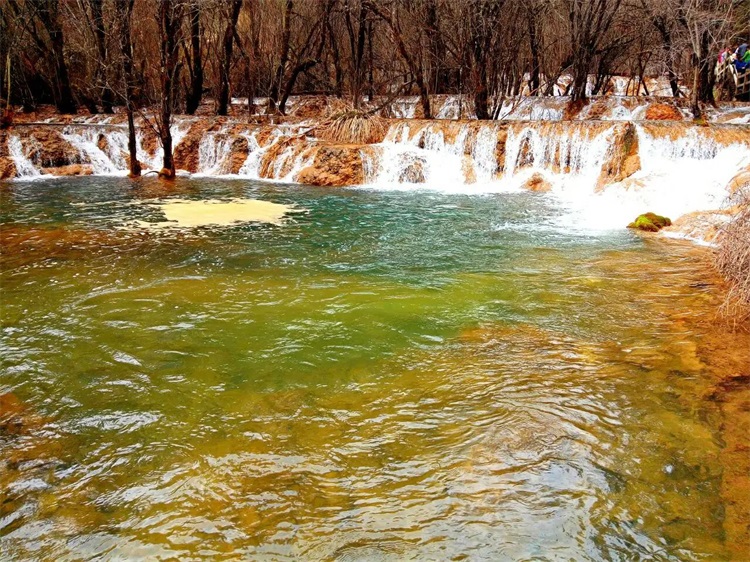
column 382, row 376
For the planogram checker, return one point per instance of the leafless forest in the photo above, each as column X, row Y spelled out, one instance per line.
column 102, row 53
column 174, row 55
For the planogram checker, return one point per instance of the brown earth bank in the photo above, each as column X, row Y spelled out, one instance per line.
column 724, row 349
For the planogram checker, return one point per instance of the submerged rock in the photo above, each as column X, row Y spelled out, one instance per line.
column 334, row 166
column 238, row 154
column 7, row 168
column 663, row 112
column 47, row 147
column 186, row 153
column 538, row 183
column 11, row 414
column 650, row 222
column 623, row 158
column 412, row 169
column 70, row 170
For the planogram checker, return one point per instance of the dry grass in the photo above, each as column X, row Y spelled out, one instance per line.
column 733, row 258
column 351, row 126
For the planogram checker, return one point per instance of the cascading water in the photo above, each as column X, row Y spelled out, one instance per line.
column 213, row 153
column 179, row 130
column 450, row 159
column 563, row 148
column 24, row 166
column 86, row 139
column 679, row 168
column 251, row 166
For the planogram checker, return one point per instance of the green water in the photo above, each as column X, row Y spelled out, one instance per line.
column 386, row 376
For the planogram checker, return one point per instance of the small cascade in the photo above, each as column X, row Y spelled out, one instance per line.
column 687, row 168
column 24, row 166
column 114, row 144
column 179, row 129
column 442, row 155
column 251, row 166
column 679, row 143
column 422, row 156
column 88, row 140
column 567, row 148
column 279, row 156
column 532, row 109
column 485, row 155
column 213, row 153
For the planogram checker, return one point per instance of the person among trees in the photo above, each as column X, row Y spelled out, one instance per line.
column 742, row 58
column 724, row 55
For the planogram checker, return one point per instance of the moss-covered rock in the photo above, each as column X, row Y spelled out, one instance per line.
column 650, row 222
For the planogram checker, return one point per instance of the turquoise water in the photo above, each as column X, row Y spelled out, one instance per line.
column 385, row 376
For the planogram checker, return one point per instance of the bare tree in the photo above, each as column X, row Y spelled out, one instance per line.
column 124, row 10
column 486, row 14
column 195, row 66
column 590, row 22
column 705, row 21
column 309, row 54
column 45, row 14
column 273, row 95
column 356, row 47
column 225, row 64
column 664, row 19
column 170, row 23
column 534, row 11
column 100, row 34
column 391, row 14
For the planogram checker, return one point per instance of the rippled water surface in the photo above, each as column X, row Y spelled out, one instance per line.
column 384, row 376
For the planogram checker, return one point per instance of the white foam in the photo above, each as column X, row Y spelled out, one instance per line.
column 24, row 167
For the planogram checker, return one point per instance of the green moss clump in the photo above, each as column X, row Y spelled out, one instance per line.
column 650, row 222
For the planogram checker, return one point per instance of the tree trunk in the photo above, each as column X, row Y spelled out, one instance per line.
column 134, row 164
column 124, row 11
column 280, row 70
column 226, row 62
column 195, row 93
column 100, row 77
column 370, row 80
column 357, row 48
column 289, row 86
column 338, row 71
column 169, row 24
column 581, row 76
column 306, row 65
column 479, row 71
column 415, row 67
column 48, row 11
column 535, row 50
column 436, row 49
column 703, row 87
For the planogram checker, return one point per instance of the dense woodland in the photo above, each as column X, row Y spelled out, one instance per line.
column 173, row 55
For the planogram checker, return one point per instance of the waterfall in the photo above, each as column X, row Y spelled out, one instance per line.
column 86, row 140
column 24, row 167
column 439, row 155
column 561, row 148
column 684, row 170
column 604, row 172
column 251, row 166
column 213, row 153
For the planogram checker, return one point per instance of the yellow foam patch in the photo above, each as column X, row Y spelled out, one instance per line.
column 212, row 212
